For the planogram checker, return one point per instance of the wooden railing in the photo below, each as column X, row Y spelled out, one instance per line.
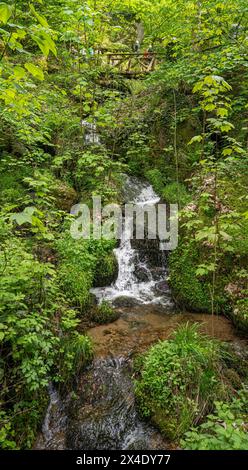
column 130, row 63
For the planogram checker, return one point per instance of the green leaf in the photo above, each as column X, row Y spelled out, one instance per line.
column 209, row 107
column 41, row 44
column 45, row 43
column 49, row 43
column 226, row 126
column 36, row 71
column 19, row 72
column 5, row 12
column 41, row 19
column 222, row 112
column 197, row 138
column 227, row 151
column 24, row 217
column 225, row 236
column 1, row 335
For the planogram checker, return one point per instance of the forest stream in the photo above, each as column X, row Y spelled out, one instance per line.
column 123, row 229
column 100, row 411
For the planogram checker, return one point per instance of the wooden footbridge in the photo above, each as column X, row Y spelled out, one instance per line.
column 129, row 64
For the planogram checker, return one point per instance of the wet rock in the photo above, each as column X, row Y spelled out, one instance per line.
column 104, row 417
column 125, row 301
column 158, row 273
column 162, row 287
column 142, row 274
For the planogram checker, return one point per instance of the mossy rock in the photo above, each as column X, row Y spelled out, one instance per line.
column 104, row 314
column 65, row 196
column 106, row 271
column 189, row 291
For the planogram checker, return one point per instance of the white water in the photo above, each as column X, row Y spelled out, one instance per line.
column 54, row 423
column 91, row 134
column 128, row 283
column 104, row 415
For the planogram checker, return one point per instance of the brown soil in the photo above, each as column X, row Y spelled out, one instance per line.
column 140, row 327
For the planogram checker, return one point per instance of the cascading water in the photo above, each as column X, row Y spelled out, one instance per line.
column 102, row 415
column 136, row 280
column 91, row 135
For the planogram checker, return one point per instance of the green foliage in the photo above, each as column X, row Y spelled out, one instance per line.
column 51, row 78
column 98, row 175
column 188, row 289
column 23, row 279
column 225, row 429
column 29, row 340
column 137, row 153
column 76, row 352
column 176, row 193
column 157, row 180
column 18, row 29
column 179, row 380
column 104, row 314
column 75, row 271
column 80, row 266
column 106, row 270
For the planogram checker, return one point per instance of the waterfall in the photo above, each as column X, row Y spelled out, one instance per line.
column 137, row 279
column 103, row 413
column 91, row 134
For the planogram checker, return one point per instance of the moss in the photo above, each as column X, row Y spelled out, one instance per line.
column 188, row 290
column 65, row 196
column 106, row 270
column 104, row 314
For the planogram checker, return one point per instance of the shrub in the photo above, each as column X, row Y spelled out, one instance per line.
column 37, row 346
column 179, row 380
column 225, row 429
column 156, row 179
column 77, row 352
column 176, row 193
column 75, row 272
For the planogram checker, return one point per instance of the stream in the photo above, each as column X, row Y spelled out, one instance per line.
column 100, row 413
column 142, row 270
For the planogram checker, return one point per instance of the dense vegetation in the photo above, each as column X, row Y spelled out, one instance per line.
column 184, row 128
column 183, row 379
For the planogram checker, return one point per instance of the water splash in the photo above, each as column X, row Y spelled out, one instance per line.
column 129, row 283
